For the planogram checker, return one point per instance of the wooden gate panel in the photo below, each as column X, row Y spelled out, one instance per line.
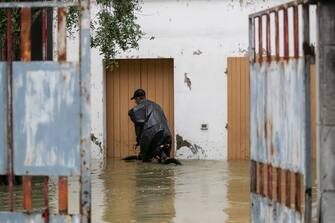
column 238, row 108
column 155, row 76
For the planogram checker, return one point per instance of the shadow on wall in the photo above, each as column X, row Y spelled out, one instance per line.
column 187, row 150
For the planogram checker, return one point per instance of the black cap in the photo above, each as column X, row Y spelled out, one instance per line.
column 138, row 93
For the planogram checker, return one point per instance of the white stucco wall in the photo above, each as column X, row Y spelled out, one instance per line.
column 199, row 35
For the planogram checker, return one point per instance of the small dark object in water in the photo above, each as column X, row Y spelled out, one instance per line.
column 132, row 157
column 172, row 160
column 167, row 161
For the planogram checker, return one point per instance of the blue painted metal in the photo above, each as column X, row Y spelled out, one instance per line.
column 3, row 119
column 278, row 114
column 51, row 116
column 280, row 133
column 265, row 210
column 13, row 217
column 46, row 104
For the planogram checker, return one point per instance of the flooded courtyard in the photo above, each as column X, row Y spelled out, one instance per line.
column 198, row 191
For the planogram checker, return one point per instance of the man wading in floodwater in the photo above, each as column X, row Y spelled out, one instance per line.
column 151, row 129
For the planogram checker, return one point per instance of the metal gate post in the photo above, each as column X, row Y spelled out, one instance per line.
column 326, row 109
column 85, row 142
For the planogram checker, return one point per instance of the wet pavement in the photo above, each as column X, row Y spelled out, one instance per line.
column 198, row 191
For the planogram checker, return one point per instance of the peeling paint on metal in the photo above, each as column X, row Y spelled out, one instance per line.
column 12, row 217
column 265, row 210
column 281, row 140
column 46, row 117
column 3, row 122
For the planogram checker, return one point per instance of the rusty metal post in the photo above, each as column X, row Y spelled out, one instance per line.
column 296, row 31
column 261, row 179
column 61, row 34
column 26, row 56
column 286, row 36
column 27, row 194
column 61, row 45
column 44, row 57
column 10, row 110
column 288, row 188
column 326, row 109
column 25, row 34
column 278, row 185
column 269, row 170
column 252, row 51
column 253, row 176
column 85, row 142
column 260, row 39
column 308, row 153
column 297, row 196
column 277, row 36
column 268, row 38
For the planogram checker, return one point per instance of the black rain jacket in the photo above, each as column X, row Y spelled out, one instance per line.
column 151, row 128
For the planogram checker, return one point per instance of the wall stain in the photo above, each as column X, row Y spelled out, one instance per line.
column 184, row 143
column 198, row 52
column 187, row 80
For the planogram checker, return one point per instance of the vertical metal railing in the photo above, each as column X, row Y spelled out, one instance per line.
column 280, row 114
column 10, row 168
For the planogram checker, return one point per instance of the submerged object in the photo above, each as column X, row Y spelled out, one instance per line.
column 165, row 161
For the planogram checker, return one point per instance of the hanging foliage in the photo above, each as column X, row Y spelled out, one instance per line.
column 114, row 26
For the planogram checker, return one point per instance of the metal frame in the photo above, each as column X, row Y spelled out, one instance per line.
column 84, row 144
column 265, row 74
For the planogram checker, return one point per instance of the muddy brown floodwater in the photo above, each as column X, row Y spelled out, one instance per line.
column 198, row 191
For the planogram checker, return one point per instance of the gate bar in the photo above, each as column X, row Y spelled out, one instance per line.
column 308, row 155
column 297, row 197
column 268, row 38
column 296, row 31
column 10, row 110
column 278, row 186
column 26, row 56
column 277, row 36
column 44, row 55
column 286, row 36
column 260, row 39
column 288, row 188
column 281, row 7
column 39, row 4
column 61, row 45
column 269, row 170
column 85, row 104
column 261, row 179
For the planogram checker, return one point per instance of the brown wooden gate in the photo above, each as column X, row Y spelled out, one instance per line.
column 238, row 109
column 155, row 76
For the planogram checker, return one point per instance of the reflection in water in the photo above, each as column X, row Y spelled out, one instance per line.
column 138, row 192
column 198, row 191
column 238, row 192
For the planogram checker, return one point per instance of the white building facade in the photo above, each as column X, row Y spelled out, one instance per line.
column 199, row 35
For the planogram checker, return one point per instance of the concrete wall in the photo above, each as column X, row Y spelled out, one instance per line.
column 199, row 35
column 326, row 111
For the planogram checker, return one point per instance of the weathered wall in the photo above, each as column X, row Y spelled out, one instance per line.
column 326, row 110
column 199, row 35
